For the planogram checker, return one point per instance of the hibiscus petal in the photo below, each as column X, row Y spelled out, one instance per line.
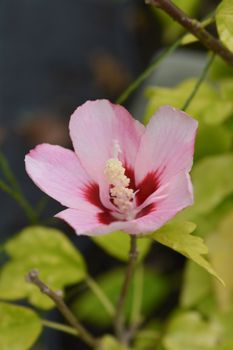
column 95, row 127
column 58, row 172
column 88, row 222
column 167, row 145
column 158, row 211
column 163, row 205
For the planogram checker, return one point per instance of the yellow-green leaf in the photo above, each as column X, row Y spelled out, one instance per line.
column 208, row 107
column 177, row 236
column 47, row 250
column 117, row 244
column 148, row 336
column 224, row 21
column 19, row 327
column 212, row 181
column 220, row 248
column 108, row 342
column 188, row 331
column 197, row 285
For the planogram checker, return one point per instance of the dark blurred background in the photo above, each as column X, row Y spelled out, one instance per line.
column 55, row 55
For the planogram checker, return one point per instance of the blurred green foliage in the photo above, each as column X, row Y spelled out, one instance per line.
column 155, row 289
column 47, row 250
column 19, row 327
column 203, row 318
column 207, row 322
column 117, row 244
column 108, row 342
column 224, row 19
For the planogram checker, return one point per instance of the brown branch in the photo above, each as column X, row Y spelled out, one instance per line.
column 119, row 319
column 32, row 277
column 194, row 27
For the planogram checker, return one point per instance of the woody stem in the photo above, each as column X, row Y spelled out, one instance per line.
column 119, row 318
column 194, row 27
column 33, row 277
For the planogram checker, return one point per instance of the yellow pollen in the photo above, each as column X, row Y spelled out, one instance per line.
column 122, row 195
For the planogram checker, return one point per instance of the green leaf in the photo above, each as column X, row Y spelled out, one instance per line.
column 208, row 223
column 220, row 249
column 110, row 343
column 212, row 181
column 88, row 308
column 188, row 39
column 208, row 106
column 220, row 69
column 219, row 140
column 224, row 22
column 47, row 250
column 189, row 331
column 208, row 306
column 177, row 236
column 196, row 286
column 149, row 336
column 226, row 88
column 19, row 327
column 117, row 244
column 171, row 30
column 226, row 321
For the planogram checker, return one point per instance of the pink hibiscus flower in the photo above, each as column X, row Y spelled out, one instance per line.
column 122, row 176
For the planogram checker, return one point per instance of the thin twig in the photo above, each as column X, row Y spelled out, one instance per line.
column 199, row 82
column 119, row 318
column 148, row 71
column 7, row 172
column 194, row 27
column 60, row 327
column 12, row 188
column 32, row 277
column 137, row 295
column 102, row 297
column 21, row 200
column 136, row 318
column 131, row 332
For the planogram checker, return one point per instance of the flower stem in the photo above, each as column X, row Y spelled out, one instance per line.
column 95, row 288
column 119, row 318
column 32, row 277
column 150, row 69
column 21, row 200
column 199, row 82
column 195, row 27
column 14, row 190
column 137, row 295
column 7, row 172
column 60, row 327
column 147, row 72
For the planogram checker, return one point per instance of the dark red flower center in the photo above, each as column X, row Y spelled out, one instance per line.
column 147, row 186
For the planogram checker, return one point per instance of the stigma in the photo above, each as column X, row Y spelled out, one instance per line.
column 122, row 196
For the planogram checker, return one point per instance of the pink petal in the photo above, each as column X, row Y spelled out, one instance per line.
column 158, row 211
column 94, row 128
column 58, row 172
column 163, row 205
column 167, row 147
column 88, row 222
